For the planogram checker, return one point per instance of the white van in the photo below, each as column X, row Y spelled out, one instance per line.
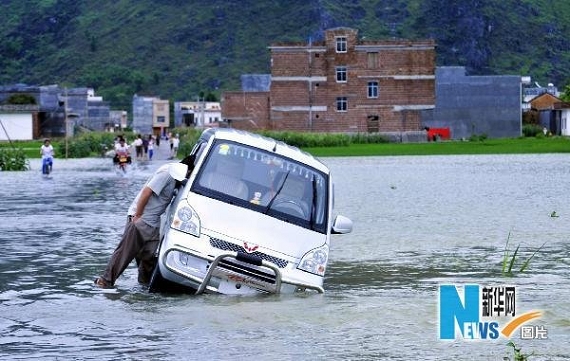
column 255, row 216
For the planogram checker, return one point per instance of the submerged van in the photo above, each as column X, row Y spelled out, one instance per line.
column 255, row 216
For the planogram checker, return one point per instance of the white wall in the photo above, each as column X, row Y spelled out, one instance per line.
column 565, row 122
column 18, row 126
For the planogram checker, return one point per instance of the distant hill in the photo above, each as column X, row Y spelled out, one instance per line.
column 176, row 49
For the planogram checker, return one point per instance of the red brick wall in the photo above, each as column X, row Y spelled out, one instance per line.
column 246, row 110
column 289, row 93
column 36, row 130
column 293, row 63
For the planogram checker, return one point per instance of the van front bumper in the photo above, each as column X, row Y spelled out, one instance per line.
column 230, row 273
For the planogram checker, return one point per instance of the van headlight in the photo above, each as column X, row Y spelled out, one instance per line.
column 315, row 261
column 186, row 219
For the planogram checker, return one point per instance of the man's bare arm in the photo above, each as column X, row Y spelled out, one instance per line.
column 143, row 200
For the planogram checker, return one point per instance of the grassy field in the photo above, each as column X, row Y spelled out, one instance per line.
column 488, row 146
column 31, row 148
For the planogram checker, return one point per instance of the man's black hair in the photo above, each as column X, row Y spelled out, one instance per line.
column 189, row 160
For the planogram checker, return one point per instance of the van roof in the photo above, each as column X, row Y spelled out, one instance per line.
column 266, row 143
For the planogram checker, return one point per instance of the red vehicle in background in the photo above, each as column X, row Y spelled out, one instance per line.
column 435, row 134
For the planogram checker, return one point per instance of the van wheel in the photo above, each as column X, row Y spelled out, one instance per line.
column 159, row 284
column 156, row 283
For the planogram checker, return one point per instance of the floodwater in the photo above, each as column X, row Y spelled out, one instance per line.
column 418, row 222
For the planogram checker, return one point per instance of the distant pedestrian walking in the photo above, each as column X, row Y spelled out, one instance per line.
column 175, row 145
column 150, row 147
column 169, row 138
column 145, row 146
column 138, row 143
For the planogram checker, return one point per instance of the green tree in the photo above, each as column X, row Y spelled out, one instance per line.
column 565, row 95
column 21, row 99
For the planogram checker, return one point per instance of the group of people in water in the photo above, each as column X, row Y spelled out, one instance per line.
column 144, row 146
column 144, row 149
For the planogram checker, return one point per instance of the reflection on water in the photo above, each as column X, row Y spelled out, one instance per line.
column 418, row 222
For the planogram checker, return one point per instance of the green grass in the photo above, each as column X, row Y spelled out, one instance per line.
column 489, row 146
column 31, row 148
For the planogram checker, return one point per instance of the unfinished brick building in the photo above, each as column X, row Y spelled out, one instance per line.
column 342, row 84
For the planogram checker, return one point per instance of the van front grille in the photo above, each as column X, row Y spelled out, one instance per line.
column 228, row 246
column 243, row 269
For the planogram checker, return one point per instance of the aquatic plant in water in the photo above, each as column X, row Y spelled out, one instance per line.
column 509, row 259
column 517, row 354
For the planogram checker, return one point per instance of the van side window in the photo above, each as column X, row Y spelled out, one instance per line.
column 223, row 174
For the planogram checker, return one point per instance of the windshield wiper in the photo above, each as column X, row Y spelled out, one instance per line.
column 276, row 193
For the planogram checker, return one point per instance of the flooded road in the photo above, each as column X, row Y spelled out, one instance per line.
column 418, row 222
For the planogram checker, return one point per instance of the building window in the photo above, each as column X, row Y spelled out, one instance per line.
column 372, row 60
column 341, row 44
column 341, row 104
column 341, row 74
column 161, row 119
column 372, row 89
column 373, row 123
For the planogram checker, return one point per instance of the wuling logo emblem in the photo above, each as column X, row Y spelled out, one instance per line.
column 481, row 313
column 250, row 247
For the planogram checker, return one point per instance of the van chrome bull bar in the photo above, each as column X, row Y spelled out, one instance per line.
column 239, row 256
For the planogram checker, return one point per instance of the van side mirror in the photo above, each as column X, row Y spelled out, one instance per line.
column 341, row 225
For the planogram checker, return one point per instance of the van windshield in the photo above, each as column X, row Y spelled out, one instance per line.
column 265, row 182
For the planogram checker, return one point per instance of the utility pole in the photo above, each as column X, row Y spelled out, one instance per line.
column 202, row 109
column 66, row 124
